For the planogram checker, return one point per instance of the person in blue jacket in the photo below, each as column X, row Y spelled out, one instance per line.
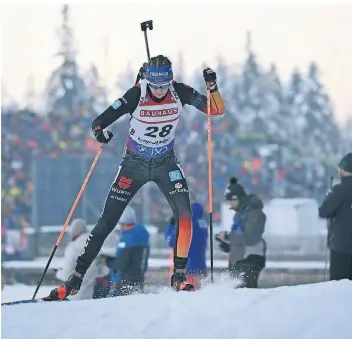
column 196, row 267
column 132, row 253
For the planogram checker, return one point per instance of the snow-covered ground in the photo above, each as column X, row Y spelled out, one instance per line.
column 317, row 311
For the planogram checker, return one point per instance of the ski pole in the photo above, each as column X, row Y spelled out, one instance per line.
column 326, row 248
column 210, row 187
column 100, row 150
column 144, row 26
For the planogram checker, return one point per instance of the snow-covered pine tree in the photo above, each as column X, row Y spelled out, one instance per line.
column 321, row 130
column 66, row 90
column 98, row 101
column 294, row 112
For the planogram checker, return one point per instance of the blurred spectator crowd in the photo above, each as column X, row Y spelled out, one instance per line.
column 279, row 140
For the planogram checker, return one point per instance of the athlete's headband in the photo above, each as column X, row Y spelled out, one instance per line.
column 156, row 75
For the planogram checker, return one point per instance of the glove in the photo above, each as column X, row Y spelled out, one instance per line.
column 101, row 135
column 210, row 79
column 223, row 238
column 224, row 247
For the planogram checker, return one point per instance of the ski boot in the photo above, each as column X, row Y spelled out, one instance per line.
column 178, row 279
column 69, row 287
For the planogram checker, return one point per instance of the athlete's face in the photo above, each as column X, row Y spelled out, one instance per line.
column 159, row 92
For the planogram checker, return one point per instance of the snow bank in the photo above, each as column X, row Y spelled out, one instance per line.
column 217, row 312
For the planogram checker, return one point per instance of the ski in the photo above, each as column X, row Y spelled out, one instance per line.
column 30, row 301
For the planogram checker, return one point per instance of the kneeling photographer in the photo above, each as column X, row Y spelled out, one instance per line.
column 244, row 243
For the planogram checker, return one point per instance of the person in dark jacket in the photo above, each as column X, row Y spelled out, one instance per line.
column 132, row 253
column 245, row 243
column 337, row 207
column 196, row 267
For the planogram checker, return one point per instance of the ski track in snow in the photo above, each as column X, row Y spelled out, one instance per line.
column 315, row 311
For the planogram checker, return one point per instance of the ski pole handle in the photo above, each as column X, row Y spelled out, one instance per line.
column 144, row 26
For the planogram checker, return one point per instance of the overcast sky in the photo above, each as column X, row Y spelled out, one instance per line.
column 288, row 35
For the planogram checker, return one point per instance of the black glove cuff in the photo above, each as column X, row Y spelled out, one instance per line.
column 214, row 87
